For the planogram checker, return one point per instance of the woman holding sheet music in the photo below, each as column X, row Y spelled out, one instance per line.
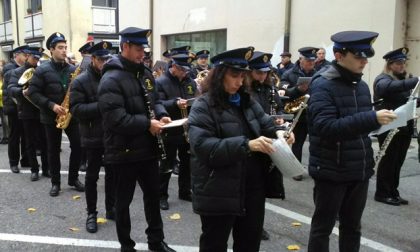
column 394, row 87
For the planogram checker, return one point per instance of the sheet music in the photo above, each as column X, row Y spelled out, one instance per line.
column 175, row 123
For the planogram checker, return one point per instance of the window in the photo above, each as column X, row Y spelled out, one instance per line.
column 7, row 10
column 105, row 3
column 34, row 6
column 214, row 41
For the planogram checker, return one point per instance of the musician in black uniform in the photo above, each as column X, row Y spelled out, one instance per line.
column 202, row 62
column 304, row 67
column 175, row 87
column 84, row 106
column 29, row 114
column 131, row 122
column 265, row 93
column 393, row 86
column 16, row 144
column 47, row 90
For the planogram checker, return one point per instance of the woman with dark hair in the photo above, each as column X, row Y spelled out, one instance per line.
column 230, row 137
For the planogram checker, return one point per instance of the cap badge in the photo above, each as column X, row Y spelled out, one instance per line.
column 58, row 34
column 248, row 55
column 189, row 60
column 105, row 46
column 148, row 33
column 404, row 51
column 265, row 58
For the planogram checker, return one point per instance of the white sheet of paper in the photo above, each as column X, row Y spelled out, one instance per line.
column 404, row 113
column 175, row 123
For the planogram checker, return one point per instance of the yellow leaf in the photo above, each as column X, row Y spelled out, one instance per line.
column 31, row 210
column 74, row 229
column 101, row 221
column 296, row 224
column 175, row 216
column 76, row 197
column 293, row 247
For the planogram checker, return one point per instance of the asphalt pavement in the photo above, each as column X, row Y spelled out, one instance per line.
column 58, row 224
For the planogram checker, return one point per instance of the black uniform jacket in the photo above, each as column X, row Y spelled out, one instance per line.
column 340, row 117
column 395, row 92
column 268, row 97
column 170, row 89
column 218, row 154
column 26, row 110
column 9, row 106
column 84, row 106
column 125, row 113
column 49, row 86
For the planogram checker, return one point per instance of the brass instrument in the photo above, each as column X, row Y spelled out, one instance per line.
column 24, row 81
column 301, row 107
column 184, row 114
column 292, row 107
column 64, row 120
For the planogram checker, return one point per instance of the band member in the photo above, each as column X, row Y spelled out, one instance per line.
column 229, row 136
column 29, row 114
column 84, row 106
column 320, row 61
column 266, row 94
column 304, row 67
column 86, row 57
column 175, row 87
column 202, row 58
column 130, row 120
column 16, row 144
column 285, row 63
column 340, row 117
column 393, row 86
column 47, row 91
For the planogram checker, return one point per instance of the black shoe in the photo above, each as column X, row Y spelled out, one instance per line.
column 128, row 250
column 164, row 205
column 388, row 200
column 4, row 141
column 160, row 247
column 34, row 176
column 82, row 168
column 175, row 170
column 91, row 224
column 55, row 190
column 79, row 186
column 402, row 201
column 264, row 235
column 186, row 197
column 298, row 177
column 38, row 152
column 14, row 169
column 110, row 214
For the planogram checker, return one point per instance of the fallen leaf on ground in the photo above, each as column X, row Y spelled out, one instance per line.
column 293, row 247
column 175, row 216
column 76, row 197
column 31, row 210
column 101, row 221
column 74, row 229
column 296, row 224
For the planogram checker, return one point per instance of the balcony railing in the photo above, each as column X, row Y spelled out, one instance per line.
column 6, row 31
column 103, row 19
column 33, row 25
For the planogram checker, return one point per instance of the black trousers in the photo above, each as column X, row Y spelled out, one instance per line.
column 347, row 200
column 33, row 131
column 300, row 131
column 246, row 230
column 4, row 124
column 184, row 176
column 388, row 174
column 146, row 174
column 54, row 145
column 94, row 157
column 16, row 148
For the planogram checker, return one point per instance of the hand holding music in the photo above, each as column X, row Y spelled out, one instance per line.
column 165, row 120
column 385, row 116
column 155, row 127
column 261, row 144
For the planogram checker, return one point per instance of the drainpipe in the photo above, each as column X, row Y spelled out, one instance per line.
column 17, row 23
column 151, row 24
column 287, row 16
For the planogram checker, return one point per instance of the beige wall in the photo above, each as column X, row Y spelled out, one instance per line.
column 134, row 13
column 413, row 37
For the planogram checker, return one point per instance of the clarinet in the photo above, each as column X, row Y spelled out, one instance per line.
column 273, row 104
column 152, row 116
column 385, row 144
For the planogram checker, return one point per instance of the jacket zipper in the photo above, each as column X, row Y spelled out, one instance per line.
column 338, row 152
column 361, row 139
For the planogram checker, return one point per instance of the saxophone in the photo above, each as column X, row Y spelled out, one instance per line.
column 64, row 120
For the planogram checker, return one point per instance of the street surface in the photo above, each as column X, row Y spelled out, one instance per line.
column 48, row 228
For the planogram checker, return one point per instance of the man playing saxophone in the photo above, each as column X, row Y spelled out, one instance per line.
column 174, row 88
column 47, row 90
column 28, row 113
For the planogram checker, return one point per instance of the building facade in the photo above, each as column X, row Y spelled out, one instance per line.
column 269, row 25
